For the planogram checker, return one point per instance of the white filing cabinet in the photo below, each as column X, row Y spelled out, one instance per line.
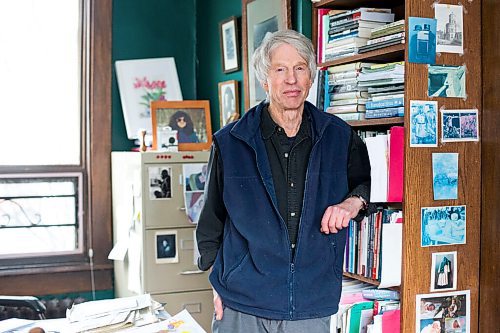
column 154, row 226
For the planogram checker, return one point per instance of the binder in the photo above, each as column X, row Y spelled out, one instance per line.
column 355, row 315
column 396, row 157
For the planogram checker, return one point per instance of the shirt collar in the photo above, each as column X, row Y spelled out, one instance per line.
column 269, row 127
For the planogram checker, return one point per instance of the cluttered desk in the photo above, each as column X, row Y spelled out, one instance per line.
column 136, row 314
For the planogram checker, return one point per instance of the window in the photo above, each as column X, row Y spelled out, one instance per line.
column 55, row 129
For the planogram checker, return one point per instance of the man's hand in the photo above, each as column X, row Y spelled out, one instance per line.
column 338, row 216
column 217, row 306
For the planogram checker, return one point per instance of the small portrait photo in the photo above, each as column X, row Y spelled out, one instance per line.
column 422, row 40
column 449, row 28
column 459, row 125
column 445, row 176
column 166, row 247
column 229, row 45
column 446, row 81
column 423, row 124
column 160, row 186
column 436, row 312
column 445, row 225
column 444, row 271
column 229, row 103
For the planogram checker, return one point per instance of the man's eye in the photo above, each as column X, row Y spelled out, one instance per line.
column 280, row 69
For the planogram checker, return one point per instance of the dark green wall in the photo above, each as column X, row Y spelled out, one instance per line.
column 189, row 31
column 152, row 29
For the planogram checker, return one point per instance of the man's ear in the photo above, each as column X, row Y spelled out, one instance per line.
column 265, row 86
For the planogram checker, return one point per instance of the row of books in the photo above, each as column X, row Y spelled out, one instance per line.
column 365, row 244
column 341, row 33
column 384, row 36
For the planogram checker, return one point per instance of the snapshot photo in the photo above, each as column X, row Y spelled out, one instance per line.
column 445, row 175
column 450, row 29
column 423, row 124
column 445, row 225
column 166, row 247
column 459, row 125
column 444, row 271
column 443, row 312
column 422, row 40
column 160, row 182
column 446, row 81
column 229, row 104
column 195, row 177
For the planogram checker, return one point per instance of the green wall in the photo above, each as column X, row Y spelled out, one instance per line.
column 152, row 29
column 187, row 30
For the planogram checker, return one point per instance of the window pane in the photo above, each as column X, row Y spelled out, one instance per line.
column 40, row 82
column 39, row 214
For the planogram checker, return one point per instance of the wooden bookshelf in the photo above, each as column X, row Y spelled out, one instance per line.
column 394, row 121
column 362, row 278
column 418, row 183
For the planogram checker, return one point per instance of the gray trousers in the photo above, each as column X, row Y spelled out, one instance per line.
column 236, row 322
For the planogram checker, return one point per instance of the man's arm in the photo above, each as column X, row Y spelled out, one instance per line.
column 338, row 216
column 210, row 228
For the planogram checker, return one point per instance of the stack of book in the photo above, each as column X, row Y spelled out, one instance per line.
column 349, row 30
column 345, row 97
column 386, row 35
column 385, row 83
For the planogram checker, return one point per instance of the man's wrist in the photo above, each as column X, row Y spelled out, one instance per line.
column 364, row 203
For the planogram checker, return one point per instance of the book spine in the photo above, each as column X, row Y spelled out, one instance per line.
column 387, row 103
column 384, row 113
column 385, row 38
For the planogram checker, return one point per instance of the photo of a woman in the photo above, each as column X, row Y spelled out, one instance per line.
column 183, row 123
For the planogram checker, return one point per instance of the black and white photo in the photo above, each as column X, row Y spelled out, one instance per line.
column 160, row 186
column 444, row 271
column 450, row 31
column 229, row 45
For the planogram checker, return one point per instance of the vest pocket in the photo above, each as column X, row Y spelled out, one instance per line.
column 230, row 272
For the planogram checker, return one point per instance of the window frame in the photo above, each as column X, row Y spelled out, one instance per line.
column 72, row 273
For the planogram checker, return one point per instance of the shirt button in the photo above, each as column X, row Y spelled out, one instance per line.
column 292, row 214
column 286, row 155
column 293, row 246
column 292, row 185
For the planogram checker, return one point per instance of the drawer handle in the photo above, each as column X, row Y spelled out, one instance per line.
column 182, row 209
column 192, row 272
column 192, row 307
column 187, row 244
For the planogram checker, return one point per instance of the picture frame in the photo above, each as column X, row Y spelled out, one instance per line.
column 141, row 81
column 185, row 124
column 258, row 18
column 229, row 45
column 229, row 102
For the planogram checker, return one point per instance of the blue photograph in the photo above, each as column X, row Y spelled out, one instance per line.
column 445, row 175
column 422, row 40
column 459, row 125
column 423, row 124
column 444, row 225
column 446, row 81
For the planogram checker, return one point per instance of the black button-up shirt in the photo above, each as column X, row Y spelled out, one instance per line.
column 288, row 158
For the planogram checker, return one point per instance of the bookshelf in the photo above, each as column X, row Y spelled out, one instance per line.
column 418, row 184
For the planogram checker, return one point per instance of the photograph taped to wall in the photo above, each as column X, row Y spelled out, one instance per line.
column 141, row 81
column 449, row 28
column 446, row 81
column 444, row 271
column 445, row 176
column 422, row 40
column 160, row 182
column 445, row 225
column 423, row 124
column 459, row 125
column 166, row 247
column 195, row 177
column 443, row 312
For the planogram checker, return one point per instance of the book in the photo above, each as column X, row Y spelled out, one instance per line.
column 390, row 88
column 386, row 103
column 385, row 113
column 349, row 95
column 356, row 32
column 391, row 37
column 355, row 24
column 348, row 101
column 322, row 20
column 347, row 42
column 356, row 314
column 395, row 164
column 386, row 294
column 353, row 66
column 389, row 25
column 346, row 108
column 363, row 13
column 351, row 116
column 367, row 48
column 343, row 75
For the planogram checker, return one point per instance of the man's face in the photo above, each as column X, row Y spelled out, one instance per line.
column 289, row 81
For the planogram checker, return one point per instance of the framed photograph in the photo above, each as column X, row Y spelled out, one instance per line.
column 445, row 225
column 229, row 45
column 450, row 29
column 260, row 17
column 166, row 247
column 423, row 124
column 445, row 176
column 444, row 271
column 141, row 81
column 183, row 123
column 229, row 102
column 459, row 125
column 446, row 81
column 443, row 312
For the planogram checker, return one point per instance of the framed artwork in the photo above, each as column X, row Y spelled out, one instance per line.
column 140, row 82
column 259, row 18
column 229, row 102
column 229, row 45
column 182, row 123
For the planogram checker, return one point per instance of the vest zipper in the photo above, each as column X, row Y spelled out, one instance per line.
column 292, row 277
